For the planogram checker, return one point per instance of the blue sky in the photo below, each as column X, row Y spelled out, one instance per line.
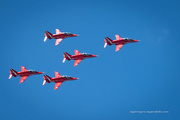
column 141, row 76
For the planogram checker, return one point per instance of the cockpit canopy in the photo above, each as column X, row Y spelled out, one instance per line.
column 33, row 71
column 87, row 54
column 65, row 76
column 66, row 33
column 128, row 39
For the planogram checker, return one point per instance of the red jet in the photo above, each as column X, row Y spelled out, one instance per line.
column 59, row 36
column 24, row 73
column 77, row 57
column 58, row 79
column 119, row 42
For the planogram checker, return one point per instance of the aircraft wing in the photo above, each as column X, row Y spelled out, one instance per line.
column 57, row 84
column 58, row 41
column 118, row 47
column 23, row 78
column 23, row 69
column 58, row 31
column 57, row 74
column 77, row 52
column 77, row 62
column 118, row 37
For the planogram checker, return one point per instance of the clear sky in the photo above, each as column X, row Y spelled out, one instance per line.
column 142, row 76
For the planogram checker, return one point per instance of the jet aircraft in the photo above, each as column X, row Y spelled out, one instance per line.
column 59, row 36
column 24, row 73
column 58, row 79
column 78, row 57
column 119, row 42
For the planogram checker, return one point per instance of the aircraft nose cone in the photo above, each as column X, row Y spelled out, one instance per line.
column 75, row 35
column 74, row 78
column 136, row 40
column 94, row 55
column 40, row 72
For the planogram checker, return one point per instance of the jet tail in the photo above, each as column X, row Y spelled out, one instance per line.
column 108, row 41
column 12, row 73
column 67, row 56
column 47, row 35
column 46, row 79
column 45, row 38
column 105, row 45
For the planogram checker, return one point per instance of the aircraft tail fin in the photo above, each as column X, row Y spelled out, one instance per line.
column 105, row 45
column 46, row 79
column 47, row 35
column 45, row 38
column 67, row 56
column 108, row 41
column 12, row 73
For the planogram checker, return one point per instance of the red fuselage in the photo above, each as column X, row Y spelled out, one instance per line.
column 78, row 57
column 82, row 56
column 58, row 79
column 27, row 73
column 119, row 42
column 123, row 41
column 62, row 79
column 57, row 36
column 24, row 73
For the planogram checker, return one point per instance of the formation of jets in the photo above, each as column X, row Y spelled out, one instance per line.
column 78, row 57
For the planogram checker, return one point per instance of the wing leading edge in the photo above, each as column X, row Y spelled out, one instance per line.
column 117, row 37
column 118, row 47
column 58, row 41
column 23, row 78
column 57, row 85
column 77, row 62
column 23, row 69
